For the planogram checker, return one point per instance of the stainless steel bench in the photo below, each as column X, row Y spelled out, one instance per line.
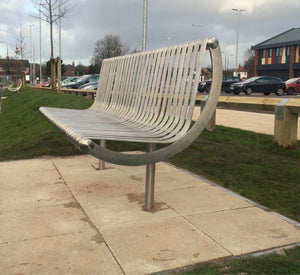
column 145, row 97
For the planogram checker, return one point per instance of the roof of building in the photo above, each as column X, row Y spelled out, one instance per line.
column 241, row 69
column 287, row 38
column 14, row 62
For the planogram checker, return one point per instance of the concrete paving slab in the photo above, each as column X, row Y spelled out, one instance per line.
column 75, row 219
column 111, row 212
column 17, row 173
column 76, row 253
column 242, row 231
column 111, row 196
column 166, row 177
column 201, row 199
column 102, row 184
column 151, row 247
column 77, row 168
column 34, row 195
column 40, row 222
column 25, row 186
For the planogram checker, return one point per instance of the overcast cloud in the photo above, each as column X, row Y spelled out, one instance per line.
column 91, row 20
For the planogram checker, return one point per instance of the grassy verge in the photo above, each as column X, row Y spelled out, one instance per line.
column 245, row 162
column 287, row 262
column 25, row 133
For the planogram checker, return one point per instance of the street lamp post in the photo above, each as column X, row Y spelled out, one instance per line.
column 238, row 12
column 32, row 56
column 145, row 25
column 198, row 26
column 59, row 38
column 169, row 39
column 40, row 45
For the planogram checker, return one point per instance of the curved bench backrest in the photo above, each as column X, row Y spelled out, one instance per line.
column 153, row 88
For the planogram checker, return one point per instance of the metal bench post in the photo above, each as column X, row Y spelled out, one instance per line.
column 150, row 175
column 102, row 162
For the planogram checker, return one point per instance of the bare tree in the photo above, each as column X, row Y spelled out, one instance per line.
column 21, row 44
column 110, row 46
column 51, row 12
column 249, row 63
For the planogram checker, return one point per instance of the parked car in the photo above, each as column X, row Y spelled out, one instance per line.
column 89, row 86
column 227, row 80
column 69, row 79
column 293, row 85
column 80, row 81
column 259, row 84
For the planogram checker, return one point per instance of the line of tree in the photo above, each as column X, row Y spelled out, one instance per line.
column 109, row 46
column 249, row 62
column 52, row 11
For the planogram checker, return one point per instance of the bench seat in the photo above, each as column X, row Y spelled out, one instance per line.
column 94, row 125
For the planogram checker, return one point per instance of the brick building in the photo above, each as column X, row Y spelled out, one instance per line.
column 279, row 56
column 10, row 66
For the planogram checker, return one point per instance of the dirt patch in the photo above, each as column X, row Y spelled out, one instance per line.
column 98, row 238
column 140, row 199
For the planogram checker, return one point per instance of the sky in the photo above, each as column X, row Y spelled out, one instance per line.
column 168, row 22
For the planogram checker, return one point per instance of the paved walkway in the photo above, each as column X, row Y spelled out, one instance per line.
column 250, row 121
column 61, row 216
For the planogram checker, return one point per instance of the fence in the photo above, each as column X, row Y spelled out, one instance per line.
column 286, row 112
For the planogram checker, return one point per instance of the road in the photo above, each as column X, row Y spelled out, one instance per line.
column 258, row 95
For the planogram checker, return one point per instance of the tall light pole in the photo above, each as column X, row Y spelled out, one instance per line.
column 224, row 60
column 40, row 45
column 59, row 36
column 145, row 25
column 31, row 68
column 198, row 26
column 169, row 39
column 238, row 12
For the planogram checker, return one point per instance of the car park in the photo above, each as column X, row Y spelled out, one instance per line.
column 80, row 81
column 259, row 84
column 293, row 85
column 227, row 80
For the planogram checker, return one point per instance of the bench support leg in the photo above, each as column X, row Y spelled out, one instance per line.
column 102, row 162
column 149, row 187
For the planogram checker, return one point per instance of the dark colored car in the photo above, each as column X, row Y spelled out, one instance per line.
column 90, row 86
column 227, row 80
column 293, row 86
column 80, row 81
column 259, row 84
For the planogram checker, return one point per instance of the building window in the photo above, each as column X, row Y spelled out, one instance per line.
column 279, row 51
column 288, row 51
column 264, row 54
column 270, row 52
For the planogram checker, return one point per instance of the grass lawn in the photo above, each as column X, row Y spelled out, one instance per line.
column 245, row 162
column 286, row 262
